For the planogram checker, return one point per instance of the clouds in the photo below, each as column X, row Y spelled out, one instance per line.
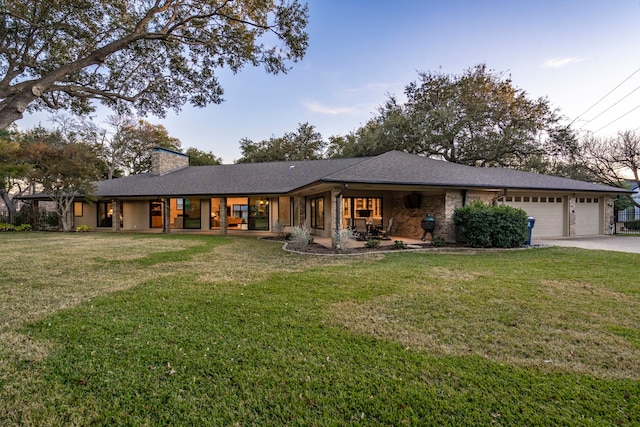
column 562, row 62
column 316, row 107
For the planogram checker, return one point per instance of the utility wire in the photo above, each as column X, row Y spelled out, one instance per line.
column 608, row 93
column 610, row 107
column 613, row 121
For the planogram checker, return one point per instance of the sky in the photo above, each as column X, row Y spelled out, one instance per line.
column 582, row 55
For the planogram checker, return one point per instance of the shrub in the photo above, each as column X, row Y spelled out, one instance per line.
column 399, row 244
column 82, row 228
column 300, row 237
column 437, row 241
column 23, row 227
column 278, row 227
column 344, row 239
column 7, row 227
column 632, row 225
column 372, row 243
column 485, row 226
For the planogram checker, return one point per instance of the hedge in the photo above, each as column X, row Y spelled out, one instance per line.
column 486, row 226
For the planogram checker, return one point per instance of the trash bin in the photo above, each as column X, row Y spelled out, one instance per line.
column 532, row 222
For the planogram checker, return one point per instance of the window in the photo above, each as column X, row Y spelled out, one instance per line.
column 525, row 199
column 317, row 213
column 258, row 213
column 155, row 212
column 543, row 200
column 105, row 214
column 534, row 199
column 369, row 208
column 78, row 209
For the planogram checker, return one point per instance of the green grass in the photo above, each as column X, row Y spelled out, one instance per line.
column 105, row 329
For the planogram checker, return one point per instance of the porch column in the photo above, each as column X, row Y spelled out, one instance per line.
column 608, row 220
column 115, row 218
column 223, row 215
column 35, row 212
column 336, row 214
column 166, row 206
column 452, row 200
column 299, row 209
column 571, row 203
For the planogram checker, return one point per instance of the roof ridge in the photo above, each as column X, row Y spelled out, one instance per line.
column 360, row 163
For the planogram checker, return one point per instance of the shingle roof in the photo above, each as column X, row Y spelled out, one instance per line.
column 394, row 167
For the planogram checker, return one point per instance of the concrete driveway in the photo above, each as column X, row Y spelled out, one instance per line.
column 604, row 243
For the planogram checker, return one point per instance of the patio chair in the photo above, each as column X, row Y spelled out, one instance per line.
column 386, row 234
column 360, row 225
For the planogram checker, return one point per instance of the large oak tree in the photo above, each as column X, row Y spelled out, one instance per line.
column 152, row 55
column 478, row 118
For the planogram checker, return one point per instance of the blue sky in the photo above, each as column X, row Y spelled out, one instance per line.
column 572, row 52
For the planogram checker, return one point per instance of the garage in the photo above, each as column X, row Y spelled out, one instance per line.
column 549, row 212
column 587, row 213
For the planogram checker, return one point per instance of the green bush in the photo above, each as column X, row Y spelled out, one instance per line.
column 438, row 242
column 23, row 227
column 7, row 227
column 485, row 226
column 372, row 243
column 632, row 225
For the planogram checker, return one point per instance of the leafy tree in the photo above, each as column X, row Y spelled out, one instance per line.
column 135, row 141
column 202, row 158
column 64, row 170
column 149, row 55
column 304, row 144
column 13, row 170
column 478, row 118
column 614, row 160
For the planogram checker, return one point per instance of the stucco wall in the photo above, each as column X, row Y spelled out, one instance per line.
column 135, row 215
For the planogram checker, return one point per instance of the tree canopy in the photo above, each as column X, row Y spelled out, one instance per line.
column 478, row 118
column 303, row 144
column 614, row 160
column 202, row 158
column 152, row 55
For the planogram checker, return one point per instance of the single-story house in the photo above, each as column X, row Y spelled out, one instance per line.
column 396, row 189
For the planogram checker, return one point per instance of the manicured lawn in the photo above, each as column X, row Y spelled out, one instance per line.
column 105, row 329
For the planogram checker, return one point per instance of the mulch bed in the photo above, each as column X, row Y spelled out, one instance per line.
column 317, row 249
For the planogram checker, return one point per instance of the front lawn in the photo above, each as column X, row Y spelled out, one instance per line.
column 118, row 329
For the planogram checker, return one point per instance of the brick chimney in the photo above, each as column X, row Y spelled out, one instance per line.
column 163, row 161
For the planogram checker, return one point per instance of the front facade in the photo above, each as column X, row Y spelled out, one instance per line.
column 395, row 190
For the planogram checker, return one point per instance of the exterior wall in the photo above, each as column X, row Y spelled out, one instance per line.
column 163, row 161
column 89, row 216
column 205, row 214
column 135, row 215
column 406, row 221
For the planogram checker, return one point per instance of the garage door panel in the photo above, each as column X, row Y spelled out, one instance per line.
column 549, row 216
column 587, row 216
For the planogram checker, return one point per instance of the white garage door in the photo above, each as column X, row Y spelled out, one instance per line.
column 547, row 210
column 587, row 216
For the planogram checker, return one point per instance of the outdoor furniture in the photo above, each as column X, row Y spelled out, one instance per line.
column 361, row 228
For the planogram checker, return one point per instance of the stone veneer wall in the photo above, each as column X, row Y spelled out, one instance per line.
column 163, row 161
column 406, row 221
column 609, row 216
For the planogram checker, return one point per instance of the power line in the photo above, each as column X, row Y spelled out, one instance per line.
column 611, row 106
column 608, row 93
column 613, row 121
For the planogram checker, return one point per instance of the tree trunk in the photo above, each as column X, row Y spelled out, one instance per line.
column 11, row 206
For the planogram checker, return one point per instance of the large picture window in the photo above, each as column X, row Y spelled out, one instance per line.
column 317, row 213
column 105, row 214
column 369, row 208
